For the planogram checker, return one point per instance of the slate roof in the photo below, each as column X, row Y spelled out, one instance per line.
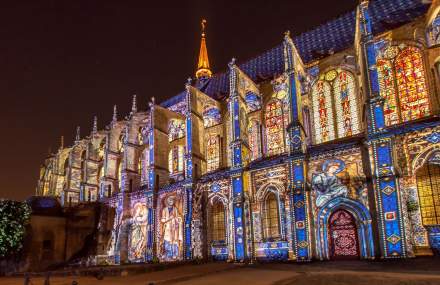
column 334, row 35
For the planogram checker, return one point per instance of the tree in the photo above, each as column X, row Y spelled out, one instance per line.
column 14, row 216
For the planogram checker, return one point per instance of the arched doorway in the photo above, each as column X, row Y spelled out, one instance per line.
column 343, row 236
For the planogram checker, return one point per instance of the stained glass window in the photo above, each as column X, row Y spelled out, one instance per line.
column 388, row 91
column 175, row 159
column 402, row 84
column 211, row 116
column 254, row 139
column 271, row 227
column 218, row 223
column 274, row 127
column 347, row 115
column 411, row 84
column 428, row 187
column 322, row 112
column 176, row 129
column 213, row 153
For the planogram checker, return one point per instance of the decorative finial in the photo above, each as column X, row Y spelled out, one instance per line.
column 62, row 142
column 232, row 62
column 203, row 27
column 95, row 125
column 78, row 137
column 134, row 105
column 203, row 69
column 115, row 114
column 151, row 103
column 188, row 81
column 287, row 34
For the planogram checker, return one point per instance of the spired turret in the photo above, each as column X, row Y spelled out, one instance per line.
column 203, row 69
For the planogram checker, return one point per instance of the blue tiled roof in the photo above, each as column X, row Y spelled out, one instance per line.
column 388, row 14
column 173, row 100
column 335, row 35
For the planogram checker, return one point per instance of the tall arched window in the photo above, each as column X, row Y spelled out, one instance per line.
column 101, row 149
column 140, row 162
column 66, row 166
column 347, row 115
column 322, row 112
column 411, row 84
column 83, row 165
column 402, row 83
column 274, row 127
column 212, row 153
column 335, row 91
column 388, row 91
column 271, row 226
column 254, row 139
column 140, row 137
column 218, row 222
column 175, row 159
column 121, row 143
column 428, row 187
column 176, row 129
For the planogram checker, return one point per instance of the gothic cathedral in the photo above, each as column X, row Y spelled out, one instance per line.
column 326, row 146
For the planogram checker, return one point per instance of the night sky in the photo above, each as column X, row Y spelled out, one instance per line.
column 62, row 62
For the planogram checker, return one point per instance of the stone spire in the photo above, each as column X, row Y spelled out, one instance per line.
column 77, row 136
column 95, row 125
column 203, row 70
column 134, row 105
column 62, row 142
column 115, row 114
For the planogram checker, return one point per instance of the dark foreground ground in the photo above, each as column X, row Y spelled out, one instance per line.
column 415, row 271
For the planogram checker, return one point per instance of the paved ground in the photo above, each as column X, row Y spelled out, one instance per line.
column 407, row 272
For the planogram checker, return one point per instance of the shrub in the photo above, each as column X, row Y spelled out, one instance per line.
column 14, row 216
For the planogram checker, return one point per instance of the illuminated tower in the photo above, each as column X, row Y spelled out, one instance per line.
column 203, row 70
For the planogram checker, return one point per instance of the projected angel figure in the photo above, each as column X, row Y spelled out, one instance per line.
column 326, row 184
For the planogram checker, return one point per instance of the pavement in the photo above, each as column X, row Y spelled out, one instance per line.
column 421, row 271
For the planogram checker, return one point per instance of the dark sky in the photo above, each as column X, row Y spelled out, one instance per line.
column 62, row 62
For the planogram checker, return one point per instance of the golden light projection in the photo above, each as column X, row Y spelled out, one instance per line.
column 428, row 187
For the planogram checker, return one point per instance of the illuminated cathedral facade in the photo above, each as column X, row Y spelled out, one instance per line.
column 326, row 146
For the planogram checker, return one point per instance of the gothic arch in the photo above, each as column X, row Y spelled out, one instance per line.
column 219, row 249
column 424, row 155
column 363, row 223
column 335, row 104
column 265, row 188
column 262, row 194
